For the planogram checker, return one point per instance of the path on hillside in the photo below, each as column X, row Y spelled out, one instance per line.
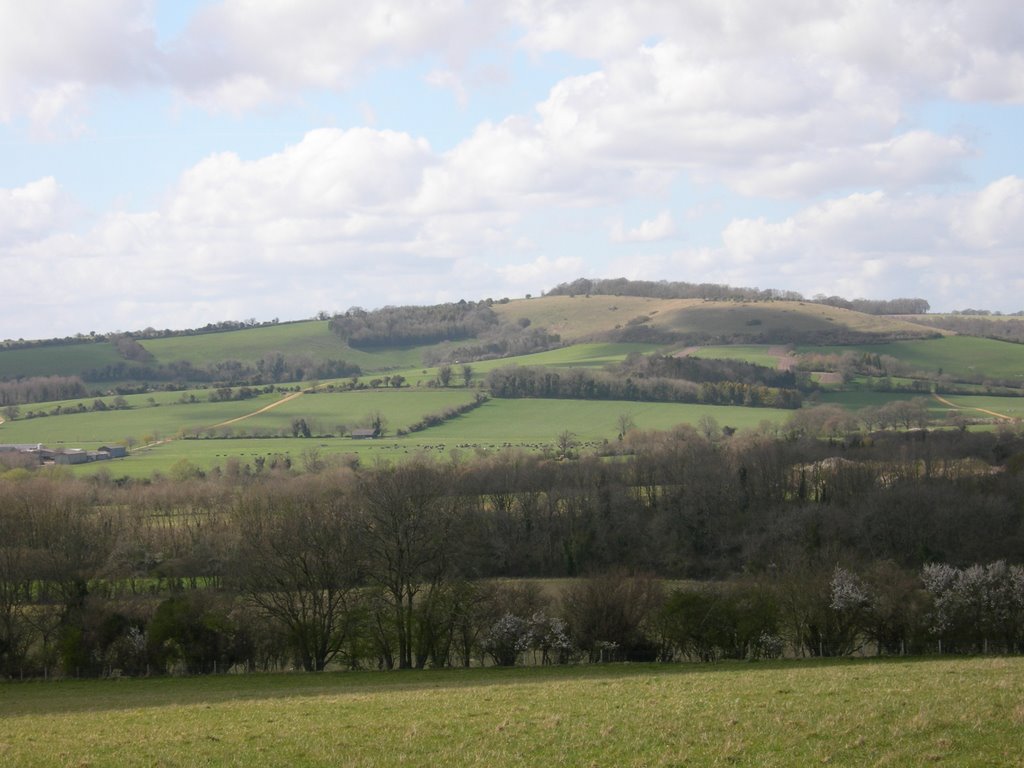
column 944, row 401
column 264, row 409
column 785, row 360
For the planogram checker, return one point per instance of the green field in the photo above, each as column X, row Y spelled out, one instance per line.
column 63, row 360
column 864, row 399
column 311, row 339
column 498, row 424
column 964, row 712
column 758, row 354
column 1010, row 407
column 958, row 356
column 525, row 421
column 249, row 345
column 575, row 356
column 112, row 426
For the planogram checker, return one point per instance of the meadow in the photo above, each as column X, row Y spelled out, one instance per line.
column 57, row 360
column 852, row 712
column 959, row 356
column 311, row 338
column 528, row 424
column 758, row 354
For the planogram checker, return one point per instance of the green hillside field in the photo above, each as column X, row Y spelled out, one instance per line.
column 964, row 711
column 525, row 424
column 959, row 356
column 57, row 360
column 758, row 354
column 95, row 428
column 310, row 338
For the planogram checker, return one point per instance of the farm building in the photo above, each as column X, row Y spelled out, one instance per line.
column 71, row 456
column 364, row 434
column 65, row 455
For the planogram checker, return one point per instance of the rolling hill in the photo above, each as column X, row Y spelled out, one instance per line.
column 191, row 385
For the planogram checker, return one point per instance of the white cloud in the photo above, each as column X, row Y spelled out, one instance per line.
column 449, row 80
column 335, row 214
column 968, row 49
column 782, row 99
column 542, row 273
column 994, row 218
column 955, row 250
column 764, row 127
column 30, row 211
column 51, row 54
column 905, row 161
column 649, row 230
column 237, row 54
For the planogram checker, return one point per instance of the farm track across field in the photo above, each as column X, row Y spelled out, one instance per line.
column 944, row 401
column 264, row 409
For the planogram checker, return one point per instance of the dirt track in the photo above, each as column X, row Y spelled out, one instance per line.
column 944, row 401
column 264, row 409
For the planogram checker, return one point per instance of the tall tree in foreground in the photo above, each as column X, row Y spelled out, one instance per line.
column 405, row 531
column 295, row 564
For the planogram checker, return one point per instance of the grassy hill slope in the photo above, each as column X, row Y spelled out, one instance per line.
column 56, row 360
column 963, row 357
column 582, row 318
column 575, row 319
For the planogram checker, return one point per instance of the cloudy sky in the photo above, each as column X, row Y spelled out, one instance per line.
column 174, row 163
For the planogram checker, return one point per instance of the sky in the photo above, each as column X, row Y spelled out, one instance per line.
column 173, row 163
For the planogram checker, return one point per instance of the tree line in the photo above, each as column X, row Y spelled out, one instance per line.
column 1007, row 328
column 410, row 326
column 38, row 389
column 700, row 369
column 582, row 384
column 271, row 368
column 405, row 566
column 664, row 289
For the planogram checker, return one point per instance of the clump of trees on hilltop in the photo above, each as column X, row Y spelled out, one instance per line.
column 664, row 289
column 411, row 326
column 461, row 331
column 901, row 543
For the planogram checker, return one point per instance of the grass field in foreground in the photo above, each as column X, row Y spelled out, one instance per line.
column 859, row 713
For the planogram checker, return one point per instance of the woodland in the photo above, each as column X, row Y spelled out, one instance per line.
column 673, row 545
